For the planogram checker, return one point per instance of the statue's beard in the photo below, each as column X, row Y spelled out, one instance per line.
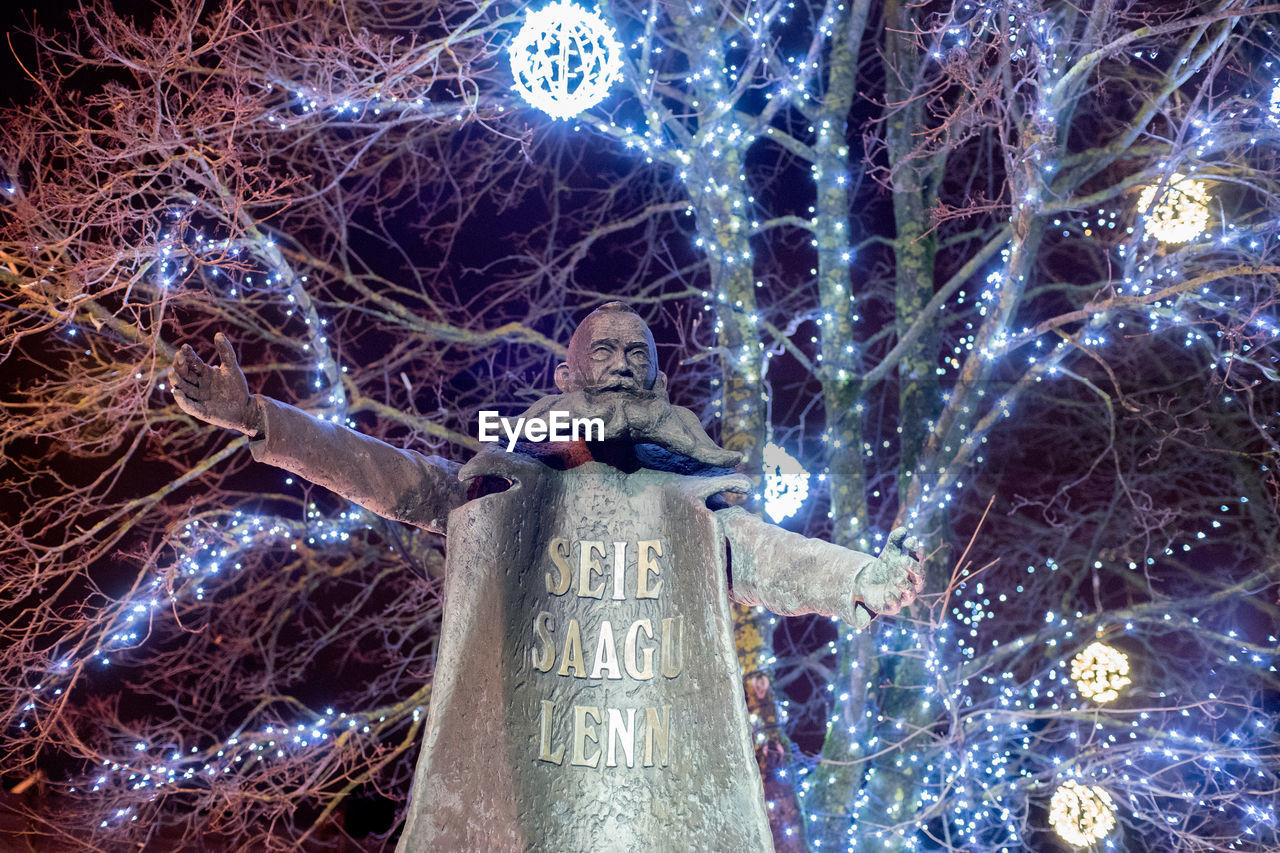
column 641, row 416
column 627, row 390
column 627, row 410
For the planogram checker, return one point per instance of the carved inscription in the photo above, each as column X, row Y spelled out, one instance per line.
column 605, row 650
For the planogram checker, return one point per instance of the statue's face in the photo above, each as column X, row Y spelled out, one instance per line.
column 610, row 351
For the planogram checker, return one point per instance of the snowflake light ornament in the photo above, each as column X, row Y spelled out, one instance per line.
column 1100, row 672
column 1181, row 213
column 786, row 483
column 1081, row 814
column 564, row 59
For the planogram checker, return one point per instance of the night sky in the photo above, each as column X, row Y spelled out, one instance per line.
column 1056, row 507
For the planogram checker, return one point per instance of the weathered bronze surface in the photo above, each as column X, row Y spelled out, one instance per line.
column 587, row 695
column 593, row 675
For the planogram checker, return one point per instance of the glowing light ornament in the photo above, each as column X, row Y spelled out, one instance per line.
column 564, row 59
column 1273, row 107
column 786, row 483
column 1081, row 814
column 1100, row 672
column 1182, row 212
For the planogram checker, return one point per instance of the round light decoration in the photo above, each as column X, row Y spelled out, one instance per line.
column 1100, row 672
column 1081, row 814
column 1182, row 212
column 786, row 483
column 1274, row 107
column 564, row 59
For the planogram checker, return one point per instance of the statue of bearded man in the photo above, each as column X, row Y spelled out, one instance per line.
column 587, row 694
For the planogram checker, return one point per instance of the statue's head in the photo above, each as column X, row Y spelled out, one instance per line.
column 611, row 350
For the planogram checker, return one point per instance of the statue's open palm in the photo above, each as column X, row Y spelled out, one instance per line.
column 217, row 395
column 895, row 578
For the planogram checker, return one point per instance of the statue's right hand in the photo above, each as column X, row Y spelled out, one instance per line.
column 217, row 395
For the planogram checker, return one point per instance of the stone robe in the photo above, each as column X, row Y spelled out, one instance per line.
column 587, row 694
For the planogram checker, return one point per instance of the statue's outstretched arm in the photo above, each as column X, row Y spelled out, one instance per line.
column 791, row 574
column 398, row 484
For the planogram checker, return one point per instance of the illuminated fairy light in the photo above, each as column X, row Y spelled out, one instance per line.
column 1182, row 213
column 564, row 59
column 988, row 705
column 1081, row 814
column 1274, row 105
column 1100, row 672
column 786, row 483
column 206, row 551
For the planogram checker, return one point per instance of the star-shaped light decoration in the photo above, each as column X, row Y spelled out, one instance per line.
column 1081, row 814
column 786, row 483
column 564, row 59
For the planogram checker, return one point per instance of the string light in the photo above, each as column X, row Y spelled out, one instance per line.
column 986, row 708
column 1100, row 672
column 564, row 59
column 1081, row 814
column 1182, row 212
column 786, row 483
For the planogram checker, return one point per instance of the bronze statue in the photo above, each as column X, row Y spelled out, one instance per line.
column 587, row 695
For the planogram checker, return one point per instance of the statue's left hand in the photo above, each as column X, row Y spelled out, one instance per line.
column 894, row 579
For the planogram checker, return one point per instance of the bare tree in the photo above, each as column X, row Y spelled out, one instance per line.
column 905, row 241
